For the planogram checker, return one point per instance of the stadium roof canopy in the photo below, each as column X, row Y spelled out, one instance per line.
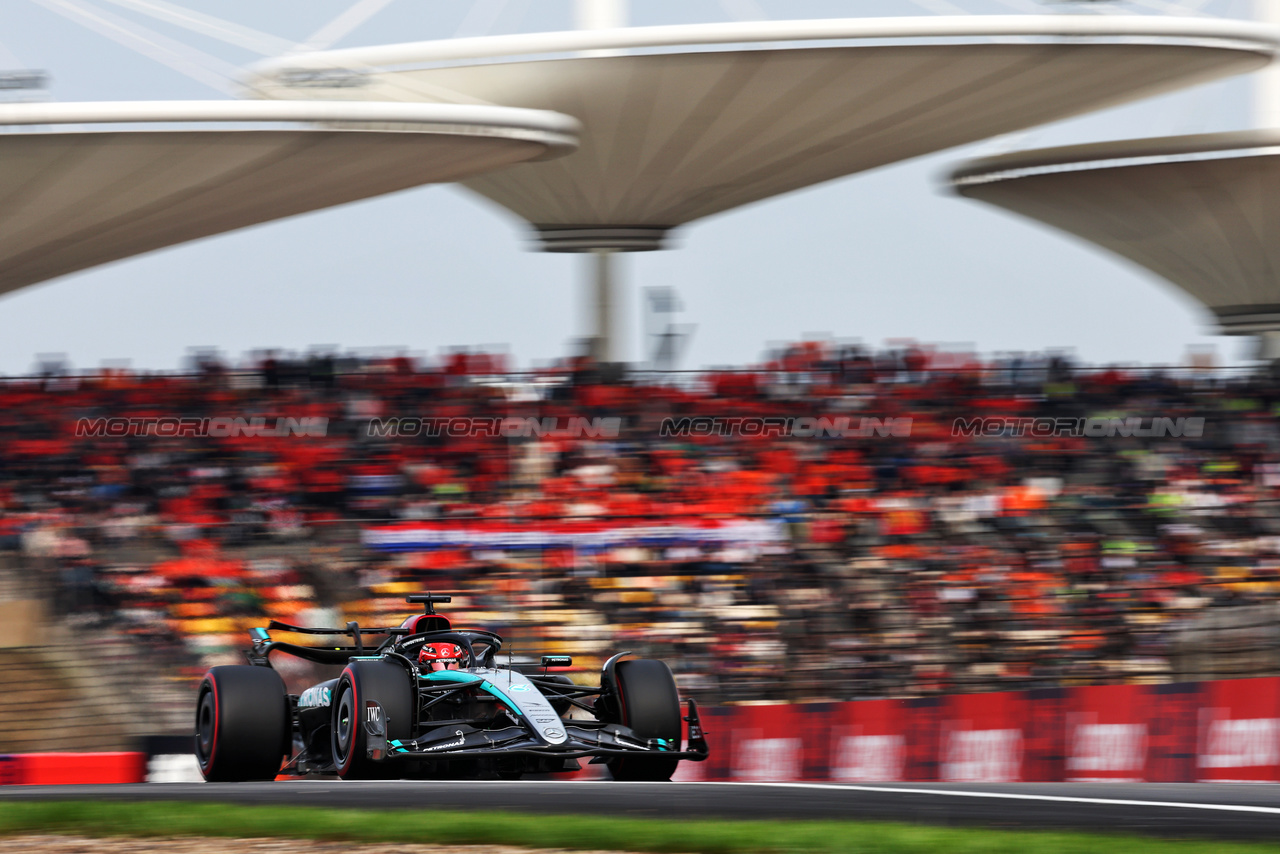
column 113, row 180
column 1202, row 211
column 681, row 122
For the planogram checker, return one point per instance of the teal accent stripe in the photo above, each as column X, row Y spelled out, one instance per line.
column 450, row 676
column 497, row 692
column 464, row 678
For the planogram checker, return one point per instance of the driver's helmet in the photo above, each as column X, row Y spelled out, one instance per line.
column 442, row 656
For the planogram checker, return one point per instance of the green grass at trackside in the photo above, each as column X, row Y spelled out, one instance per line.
column 98, row 818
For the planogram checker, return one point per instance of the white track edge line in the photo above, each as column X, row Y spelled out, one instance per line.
column 954, row 793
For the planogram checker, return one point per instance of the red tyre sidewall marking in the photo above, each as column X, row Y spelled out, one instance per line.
column 355, row 718
column 622, row 707
column 213, row 747
column 622, row 703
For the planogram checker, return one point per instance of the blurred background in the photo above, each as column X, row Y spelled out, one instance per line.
column 763, row 568
column 874, row 565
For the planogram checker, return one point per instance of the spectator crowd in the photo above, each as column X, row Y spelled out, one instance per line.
column 914, row 556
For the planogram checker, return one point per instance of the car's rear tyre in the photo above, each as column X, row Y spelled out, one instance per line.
column 385, row 683
column 242, row 724
column 648, row 703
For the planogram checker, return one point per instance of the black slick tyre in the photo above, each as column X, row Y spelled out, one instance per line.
column 242, row 724
column 385, row 683
column 648, row 703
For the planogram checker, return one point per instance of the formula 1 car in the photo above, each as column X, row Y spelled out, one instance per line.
column 430, row 702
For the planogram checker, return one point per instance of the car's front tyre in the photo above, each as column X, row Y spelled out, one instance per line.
column 647, row 701
column 384, row 683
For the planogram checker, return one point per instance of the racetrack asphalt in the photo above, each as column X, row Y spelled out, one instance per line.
column 1220, row 811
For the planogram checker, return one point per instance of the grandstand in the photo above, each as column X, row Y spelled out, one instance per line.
column 819, row 568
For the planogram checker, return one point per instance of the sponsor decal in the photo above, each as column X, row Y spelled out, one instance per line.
column 1248, row 743
column 1091, row 428
column 510, row 427
column 315, row 697
column 217, row 428
column 869, row 758
column 522, row 697
column 322, row 78
column 1107, row 749
column 457, row 742
column 554, row 733
column 982, row 756
column 765, row 759
column 803, row 427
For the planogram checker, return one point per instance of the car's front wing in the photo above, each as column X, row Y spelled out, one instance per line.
column 464, row 741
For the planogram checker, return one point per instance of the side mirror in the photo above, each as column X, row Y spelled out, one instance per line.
column 557, row 660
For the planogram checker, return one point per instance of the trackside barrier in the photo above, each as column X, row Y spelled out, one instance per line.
column 1222, row 731
column 64, row 769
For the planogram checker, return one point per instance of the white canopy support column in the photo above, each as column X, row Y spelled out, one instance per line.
column 602, row 15
column 1266, row 114
column 1267, row 346
column 604, row 341
column 1266, row 92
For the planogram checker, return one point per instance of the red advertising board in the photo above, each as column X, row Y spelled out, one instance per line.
column 920, row 728
column 1106, row 730
column 1172, row 731
column 1044, row 738
column 868, row 741
column 1212, row 731
column 980, row 738
column 1238, row 731
column 61, row 769
column 778, row 743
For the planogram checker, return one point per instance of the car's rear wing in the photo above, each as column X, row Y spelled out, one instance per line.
column 263, row 645
column 351, row 630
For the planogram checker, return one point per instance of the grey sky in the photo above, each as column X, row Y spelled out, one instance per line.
column 882, row 255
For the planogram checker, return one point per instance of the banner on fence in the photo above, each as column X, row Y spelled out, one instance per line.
column 1212, row 731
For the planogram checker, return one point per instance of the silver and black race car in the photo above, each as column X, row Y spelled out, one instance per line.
column 391, row 715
